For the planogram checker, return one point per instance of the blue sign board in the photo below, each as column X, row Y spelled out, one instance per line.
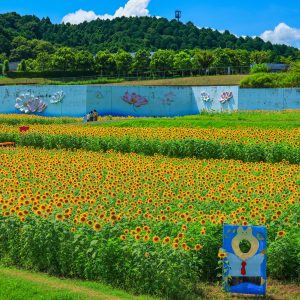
column 244, row 254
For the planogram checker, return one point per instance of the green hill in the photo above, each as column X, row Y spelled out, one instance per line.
column 130, row 34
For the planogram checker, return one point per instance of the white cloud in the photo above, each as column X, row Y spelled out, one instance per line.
column 133, row 8
column 283, row 34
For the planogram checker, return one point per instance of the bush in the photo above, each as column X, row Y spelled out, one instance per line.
column 259, row 68
column 271, row 80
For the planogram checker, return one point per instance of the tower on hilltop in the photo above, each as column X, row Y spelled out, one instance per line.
column 178, row 15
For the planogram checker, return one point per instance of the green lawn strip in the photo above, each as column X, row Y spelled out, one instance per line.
column 186, row 81
column 18, row 284
column 264, row 120
column 190, row 81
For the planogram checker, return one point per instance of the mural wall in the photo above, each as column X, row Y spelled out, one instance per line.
column 141, row 100
column 48, row 100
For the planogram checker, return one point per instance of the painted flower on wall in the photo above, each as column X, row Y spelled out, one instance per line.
column 225, row 97
column 168, row 98
column 28, row 103
column 57, row 97
column 135, row 99
column 205, row 97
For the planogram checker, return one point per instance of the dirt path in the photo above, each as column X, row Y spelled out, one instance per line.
column 57, row 284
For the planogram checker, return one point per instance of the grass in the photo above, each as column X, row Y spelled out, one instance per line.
column 44, row 81
column 18, row 285
column 191, row 81
column 23, row 81
column 264, row 120
column 184, row 81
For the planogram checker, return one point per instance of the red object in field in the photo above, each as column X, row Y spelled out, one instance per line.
column 24, row 128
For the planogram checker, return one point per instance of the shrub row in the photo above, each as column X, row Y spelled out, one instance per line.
column 200, row 149
column 271, row 80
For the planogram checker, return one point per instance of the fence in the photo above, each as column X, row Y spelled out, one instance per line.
column 133, row 75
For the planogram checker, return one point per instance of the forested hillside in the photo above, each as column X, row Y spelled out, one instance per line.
column 129, row 34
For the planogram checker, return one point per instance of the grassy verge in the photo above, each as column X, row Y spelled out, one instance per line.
column 44, row 81
column 23, row 81
column 188, row 81
column 265, row 120
column 19, row 285
column 191, row 81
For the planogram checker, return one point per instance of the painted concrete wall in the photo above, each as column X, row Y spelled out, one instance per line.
column 148, row 100
column 73, row 103
column 156, row 101
column 269, row 99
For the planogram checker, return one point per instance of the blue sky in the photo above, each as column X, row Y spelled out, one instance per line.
column 279, row 18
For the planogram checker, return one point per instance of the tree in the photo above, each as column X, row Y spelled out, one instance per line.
column 42, row 46
column 2, row 58
column 141, row 61
column 222, row 58
column 123, row 62
column 84, row 60
column 22, row 66
column 162, row 60
column 21, row 52
column 43, row 62
column 31, row 65
column 202, row 59
column 105, row 63
column 64, row 59
column 260, row 57
column 182, row 61
column 5, row 67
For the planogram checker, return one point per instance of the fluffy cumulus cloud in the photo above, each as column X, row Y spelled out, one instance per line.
column 283, row 34
column 133, row 8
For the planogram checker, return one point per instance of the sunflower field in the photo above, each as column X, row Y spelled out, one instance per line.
column 246, row 144
column 147, row 224
column 137, row 208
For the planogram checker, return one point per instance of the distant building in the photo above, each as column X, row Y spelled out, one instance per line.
column 275, row 68
column 13, row 65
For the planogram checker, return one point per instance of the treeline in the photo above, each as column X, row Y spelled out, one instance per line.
column 69, row 60
column 130, row 34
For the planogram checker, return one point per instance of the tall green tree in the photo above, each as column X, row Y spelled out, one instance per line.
column 64, row 59
column 202, row 59
column 105, row 63
column 222, row 58
column 260, row 57
column 22, row 66
column 162, row 60
column 5, row 67
column 123, row 62
column 2, row 58
column 43, row 62
column 182, row 61
column 141, row 60
column 84, row 61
